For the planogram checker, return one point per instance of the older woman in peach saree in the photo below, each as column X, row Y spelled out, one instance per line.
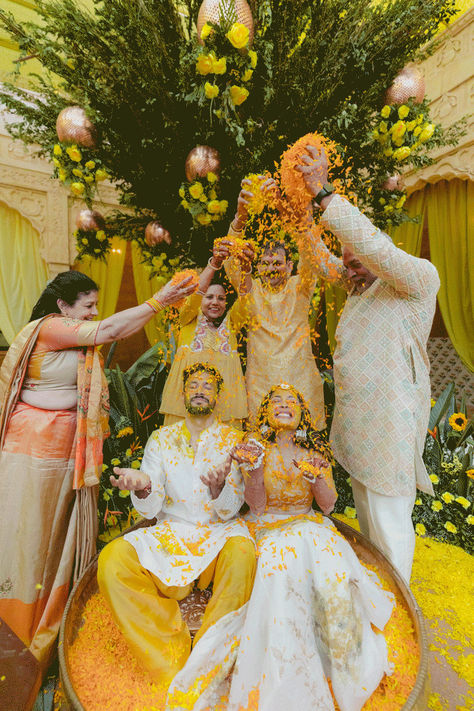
column 54, row 418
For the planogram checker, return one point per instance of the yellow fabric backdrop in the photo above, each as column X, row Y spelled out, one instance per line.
column 451, row 229
column 23, row 273
column 408, row 237
column 107, row 275
column 145, row 288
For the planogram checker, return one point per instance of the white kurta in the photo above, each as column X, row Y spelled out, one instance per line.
column 191, row 528
column 381, row 367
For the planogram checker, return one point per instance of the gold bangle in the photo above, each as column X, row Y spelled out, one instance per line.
column 236, row 229
column 154, row 304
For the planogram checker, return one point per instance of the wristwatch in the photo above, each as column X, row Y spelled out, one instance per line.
column 326, row 190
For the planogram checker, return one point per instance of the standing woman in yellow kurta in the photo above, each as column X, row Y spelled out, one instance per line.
column 54, row 417
column 208, row 334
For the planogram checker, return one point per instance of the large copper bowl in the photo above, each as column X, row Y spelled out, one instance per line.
column 193, row 608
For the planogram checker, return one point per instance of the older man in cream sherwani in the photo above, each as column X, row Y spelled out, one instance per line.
column 381, row 368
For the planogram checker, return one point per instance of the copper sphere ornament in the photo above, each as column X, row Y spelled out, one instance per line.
column 156, row 233
column 89, row 220
column 409, row 83
column 202, row 160
column 211, row 11
column 73, row 126
column 394, row 182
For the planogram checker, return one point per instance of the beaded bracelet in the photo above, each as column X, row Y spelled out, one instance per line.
column 154, row 304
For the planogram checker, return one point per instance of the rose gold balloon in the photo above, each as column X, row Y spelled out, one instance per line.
column 409, row 83
column 155, row 234
column 394, row 182
column 201, row 161
column 88, row 220
column 73, row 126
column 210, row 10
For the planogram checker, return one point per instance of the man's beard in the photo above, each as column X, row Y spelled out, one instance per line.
column 199, row 409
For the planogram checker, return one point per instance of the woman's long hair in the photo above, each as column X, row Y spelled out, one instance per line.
column 66, row 286
column 305, row 436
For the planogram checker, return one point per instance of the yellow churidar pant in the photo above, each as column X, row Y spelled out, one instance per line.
column 147, row 611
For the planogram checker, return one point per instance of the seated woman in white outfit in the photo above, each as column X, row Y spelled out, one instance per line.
column 310, row 616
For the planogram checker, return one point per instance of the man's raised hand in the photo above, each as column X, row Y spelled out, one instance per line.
column 132, row 480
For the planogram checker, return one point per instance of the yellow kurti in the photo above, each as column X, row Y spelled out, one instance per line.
column 200, row 341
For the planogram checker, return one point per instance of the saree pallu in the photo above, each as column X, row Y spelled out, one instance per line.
column 38, row 524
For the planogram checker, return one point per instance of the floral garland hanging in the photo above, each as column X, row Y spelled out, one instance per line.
column 78, row 168
column 200, row 198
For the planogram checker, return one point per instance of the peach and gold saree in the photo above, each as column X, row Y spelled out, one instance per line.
column 50, row 464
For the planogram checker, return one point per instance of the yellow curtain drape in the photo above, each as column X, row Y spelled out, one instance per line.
column 107, row 275
column 23, row 273
column 145, row 287
column 451, row 230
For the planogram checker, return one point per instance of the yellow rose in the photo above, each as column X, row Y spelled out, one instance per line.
column 206, row 31
column 238, row 35
column 411, row 125
column 388, row 208
column 204, row 219
column 385, row 113
column 465, row 503
column 401, row 153
column 56, row 163
column 223, row 205
column 383, row 127
column 398, row 129
column 219, row 66
column 78, row 189
column 417, row 131
column 100, row 234
column 400, row 202
column 375, row 134
column 436, row 505
column 62, row 174
column 212, row 177
column 57, row 150
column 427, row 132
column 90, row 165
column 213, row 207
column 181, row 192
column 204, row 63
column 101, row 175
column 450, row 527
column 115, row 462
column 89, row 178
column 74, row 153
column 470, row 520
column 84, row 240
column 447, row 497
column 238, row 94
column 203, row 197
column 420, row 118
column 247, row 75
column 211, row 90
column 420, row 529
column 398, row 141
column 77, row 172
column 403, row 111
column 212, row 195
column 434, row 478
column 185, row 204
column 196, row 190
column 350, row 512
column 388, row 152
column 253, row 58
column 135, row 464
column 123, row 493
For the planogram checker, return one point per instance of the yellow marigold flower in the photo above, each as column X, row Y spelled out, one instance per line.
column 196, row 190
column 181, row 192
column 78, row 189
column 470, row 473
column 247, row 75
column 89, row 178
column 78, row 172
column 115, row 462
column 223, row 205
column 383, row 127
column 185, row 204
column 90, row 165
column 206, row 31
column 427, row 132
column 74, row 153
column 238, row 35
column 350, row 512
column 411, row 125
column 450, row 527
column 403, row 111
column 401, row 201
column 436, row 505
column 213, row 207
column 385, row 113
column 458, row 421
column 57, row 150
column 212, row 177
column 470, row 520
column 401, row 153
column 135, row 464
column 253, row 58
column 238, row 94
column 123, row 493
column 465, row 503
column 101, row 175
column 211, row 90
column 204, row 64
column 447, row 497
column 204, row 219
column 219, row 66
column 434, row 478
column 420, row 529
column 418, row 502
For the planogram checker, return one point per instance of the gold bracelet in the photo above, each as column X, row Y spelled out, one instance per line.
column 154, row 304
column 236, row 229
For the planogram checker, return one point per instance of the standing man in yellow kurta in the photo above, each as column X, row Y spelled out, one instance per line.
column 278, row 343
column 183, row 481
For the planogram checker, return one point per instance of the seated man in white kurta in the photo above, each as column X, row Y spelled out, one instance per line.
column 196, row 537
column 381, row 367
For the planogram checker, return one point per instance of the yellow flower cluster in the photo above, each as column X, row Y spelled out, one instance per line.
column 400, row 138
column 200, row 198
column 80, row 177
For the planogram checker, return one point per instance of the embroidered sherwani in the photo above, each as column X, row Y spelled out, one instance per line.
column 381, row 368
